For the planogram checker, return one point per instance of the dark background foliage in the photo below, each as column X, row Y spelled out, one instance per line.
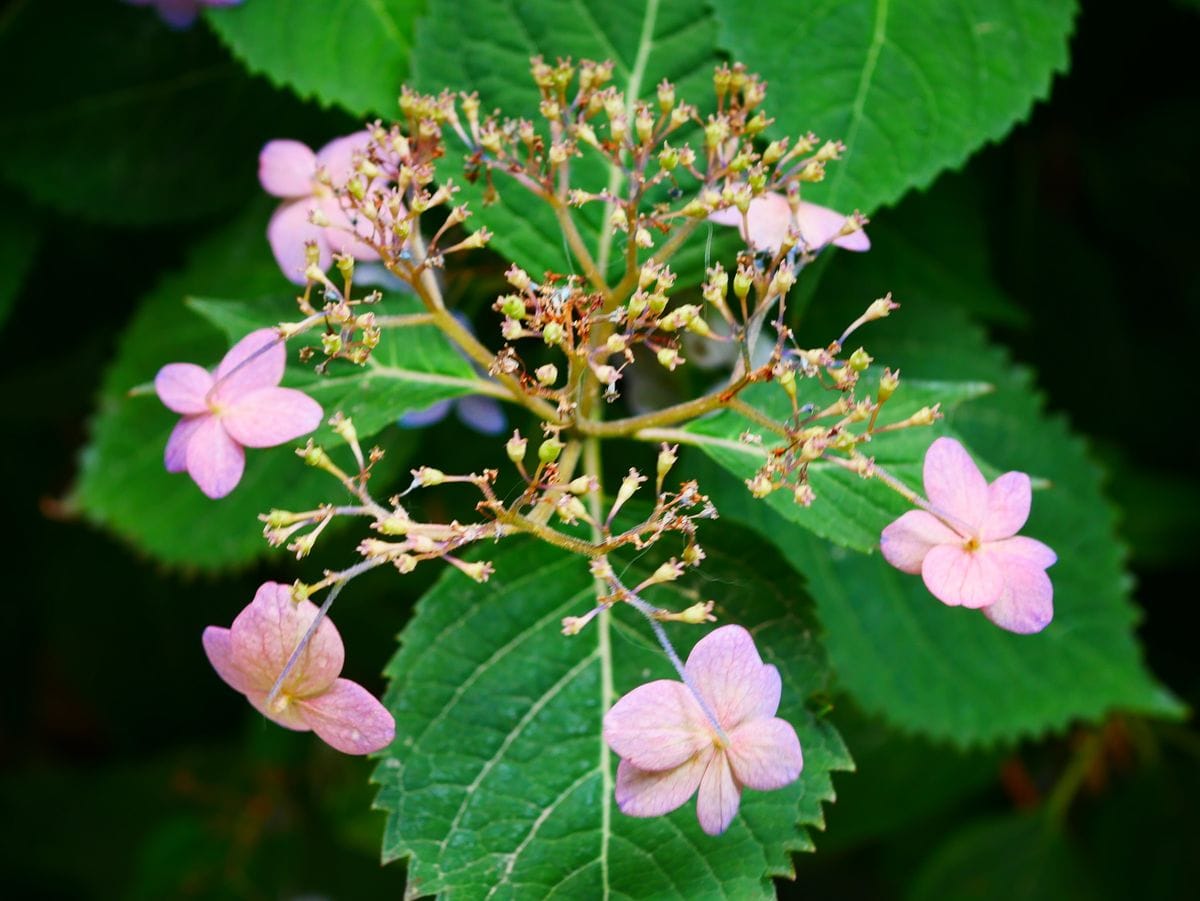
column 130, row 770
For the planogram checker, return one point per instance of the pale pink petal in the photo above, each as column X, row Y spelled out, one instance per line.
column 214, row 460
column 218, row 648
column 340, row 232
column 268, row 630
column 337, row 157
column 905, row 542
column 255, row 362
column 349, row 718
column 819, row 225
column 1008, row 502
column 956, row 576
column 1026, row 604
column 287, row 169
column 175, row 457
column 641, row 793
column 769, row 216
column 731, row 677
column 954, row 483
column 288, row 232
column 765, row 754
column 657, row 726
column 1023, row 550
column 271, row 416
column 717, row 802
column 183, row 387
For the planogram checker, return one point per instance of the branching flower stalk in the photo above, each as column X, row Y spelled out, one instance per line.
column 570, row 340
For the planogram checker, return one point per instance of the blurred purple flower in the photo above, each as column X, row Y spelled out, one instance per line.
column 181, row 13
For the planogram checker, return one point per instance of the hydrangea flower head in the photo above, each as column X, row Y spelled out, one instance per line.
column 967, row 549
column 252, row 653
column 289, row 169
column 769, row 217
column 670, row 748
column 181, row 13
column 238, row 406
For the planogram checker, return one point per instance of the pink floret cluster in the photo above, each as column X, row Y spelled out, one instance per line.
column 671, row 749
column 252, row 653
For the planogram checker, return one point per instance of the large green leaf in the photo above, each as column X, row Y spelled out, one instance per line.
column 353, row 53
column 948, row 672
column 849, row 510
column 912, row 88
column 119, row 119
column 411, row 369
column 485, row 45
column 499, row 784
column 122, row 484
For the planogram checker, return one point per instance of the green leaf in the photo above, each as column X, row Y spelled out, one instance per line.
column 19, row 236
column 132, row 123
column 912, row 89
column 849, row 510
column 353, row 53
column 500, row 784
column 411, row 369
column 122, row 484
column 485, row 45
column 1003, row 859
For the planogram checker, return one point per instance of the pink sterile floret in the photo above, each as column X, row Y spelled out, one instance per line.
column 769, row 217
column 252, row 653
column 240, row 407
column 181, row 13
column 290, row 170
column 669, row 748
column 967, row 549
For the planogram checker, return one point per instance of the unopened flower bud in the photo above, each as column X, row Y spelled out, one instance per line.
column 697, row 614
column 888, row 383
column 512, row 306
column 803, row 495
column 549, row 449
column 668, row 358
column 616, row 344
column 666, row 96
column 607, row 375
column 742, row 280
column 428, row 477
column 546, row 375
column 667, row 572
column 667, row 458
column 860, row 360
column 515, row 447
column 774, row 152
column 668, row 157
column 552, row 333
column 581, row 485
column 331, row 344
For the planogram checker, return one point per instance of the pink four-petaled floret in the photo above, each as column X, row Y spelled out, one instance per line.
column 769, row 217
column 289, row 169
column 967, row 549
column 240, row 406
column 670, row 749
column 251, row 654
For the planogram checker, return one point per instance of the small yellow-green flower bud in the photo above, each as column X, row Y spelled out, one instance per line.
column 550, row 449
column 888, row 383
column 666, row 459
column 668, row 358
column 546, row 375
column 428, row 477
column 515, row 447
column 512, row 306
column 616, row 344
column 552, row 333
column 860, row 360
column 760, row 486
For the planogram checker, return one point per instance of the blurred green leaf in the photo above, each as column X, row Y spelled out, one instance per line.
column 132, row 123
column 912, row 89
column 850, row 510
column 485, row 45
column 411, row 369
column 122, row 484
column 500, row 784
column 19, row 236
column 353, row 53
column 1010, row 858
